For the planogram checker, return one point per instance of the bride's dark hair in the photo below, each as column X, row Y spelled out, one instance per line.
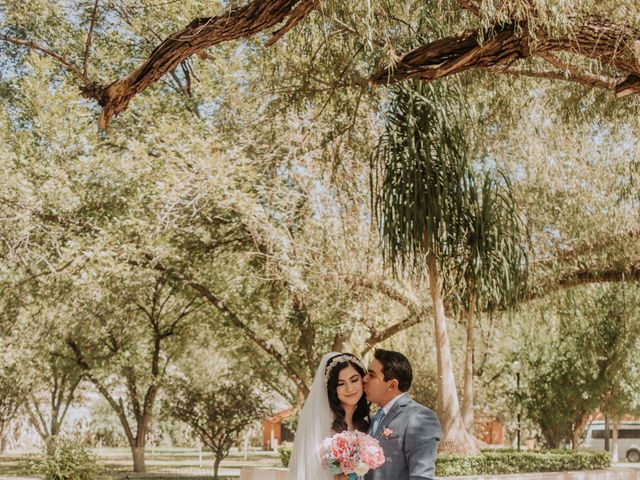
column 361, row 414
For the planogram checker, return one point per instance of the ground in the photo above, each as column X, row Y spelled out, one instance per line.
column 162, row 464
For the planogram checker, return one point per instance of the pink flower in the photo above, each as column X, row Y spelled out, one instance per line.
column 348, row 452
column 387, row 432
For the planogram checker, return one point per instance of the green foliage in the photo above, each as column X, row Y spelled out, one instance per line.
column 502, row 462
column 12, row 397
column 419, row 173
column 492, row 262
column 429, row 198
column 587, row 357
column 285, row 455
column 217, row 412
column 68, row 461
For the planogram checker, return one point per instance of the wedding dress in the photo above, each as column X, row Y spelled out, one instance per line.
column 314, row 425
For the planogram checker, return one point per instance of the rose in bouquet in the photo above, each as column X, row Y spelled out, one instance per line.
column 351, row 452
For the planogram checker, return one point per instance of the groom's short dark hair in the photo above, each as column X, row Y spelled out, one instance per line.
column 395, row 365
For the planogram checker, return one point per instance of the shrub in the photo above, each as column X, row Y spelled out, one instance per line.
column 68, row 461
column 496, row 462
column 285, row 455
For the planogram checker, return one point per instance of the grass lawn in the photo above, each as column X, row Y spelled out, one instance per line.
column 162, row 464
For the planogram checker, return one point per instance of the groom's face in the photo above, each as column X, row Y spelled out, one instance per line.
column 375, row 387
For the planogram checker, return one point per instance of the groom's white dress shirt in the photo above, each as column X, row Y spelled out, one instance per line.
column 388, row 406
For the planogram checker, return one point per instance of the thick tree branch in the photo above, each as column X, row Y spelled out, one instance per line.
column 380, row 286
column 589, row 248
column 584, row 275
column 201, row 33
column 593, row 37
column 413, row 319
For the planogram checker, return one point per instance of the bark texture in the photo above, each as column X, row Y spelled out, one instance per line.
column 593, row 37
column 455, row 439
column 201, row 33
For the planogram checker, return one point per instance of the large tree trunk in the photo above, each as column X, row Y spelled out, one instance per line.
column 577, row 430
column 467, row 399
column 3, row 440
column 216, row 467
column 54, row 433
column 137, row 452
column 614, row 440
column 140, row 440
column 455, row 439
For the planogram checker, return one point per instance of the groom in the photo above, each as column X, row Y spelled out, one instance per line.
column 408, row 432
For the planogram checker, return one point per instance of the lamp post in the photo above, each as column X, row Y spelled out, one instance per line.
column 515, row 368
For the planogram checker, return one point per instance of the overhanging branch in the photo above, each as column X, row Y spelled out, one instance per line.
column 377, row 337
column 201, row 33
column 585, row 275
column 594, row 38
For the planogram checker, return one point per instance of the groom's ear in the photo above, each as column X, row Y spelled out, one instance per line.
column 395, row 383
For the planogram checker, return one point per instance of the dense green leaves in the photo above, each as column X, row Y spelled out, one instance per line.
column 587, row 364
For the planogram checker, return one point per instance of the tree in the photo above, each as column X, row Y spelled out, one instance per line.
column 53, row 390
column 217, row 412
column 494, row 263
column 621, row 394
column 12, row 397
column 572, row 376
column 262, row 210
column 124, row 344
column 422, row 168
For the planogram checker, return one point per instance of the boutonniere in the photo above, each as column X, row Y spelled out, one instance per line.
column 387, row 432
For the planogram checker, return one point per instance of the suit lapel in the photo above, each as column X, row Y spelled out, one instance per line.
column 393, row 413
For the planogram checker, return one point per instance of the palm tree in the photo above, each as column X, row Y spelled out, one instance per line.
column 434, row 211
column 420, row 178
column 493, row 263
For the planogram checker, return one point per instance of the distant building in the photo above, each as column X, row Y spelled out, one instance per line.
column 490, row 431
column 274, row 432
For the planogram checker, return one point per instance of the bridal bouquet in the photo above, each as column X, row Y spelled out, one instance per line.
column 351, row 452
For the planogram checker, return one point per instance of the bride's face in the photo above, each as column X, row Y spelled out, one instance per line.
column 349, row 387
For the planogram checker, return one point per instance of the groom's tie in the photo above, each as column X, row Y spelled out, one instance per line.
column 377, row 419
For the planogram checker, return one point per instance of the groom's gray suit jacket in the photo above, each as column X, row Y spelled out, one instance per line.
column 410, row 442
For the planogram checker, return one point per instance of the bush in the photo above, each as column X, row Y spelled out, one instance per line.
column 68, row 461
column 285, row 455
column 496, row 462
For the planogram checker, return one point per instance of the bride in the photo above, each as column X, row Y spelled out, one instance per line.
column 335, row 403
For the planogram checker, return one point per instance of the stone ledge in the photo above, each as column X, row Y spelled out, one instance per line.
column 258, row 473
column 610, row 474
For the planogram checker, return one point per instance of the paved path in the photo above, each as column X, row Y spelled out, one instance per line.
column 19, row 478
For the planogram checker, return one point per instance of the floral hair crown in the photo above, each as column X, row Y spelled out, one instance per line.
column 340, row 359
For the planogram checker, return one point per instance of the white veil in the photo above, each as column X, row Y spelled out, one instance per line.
column 314, row 425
